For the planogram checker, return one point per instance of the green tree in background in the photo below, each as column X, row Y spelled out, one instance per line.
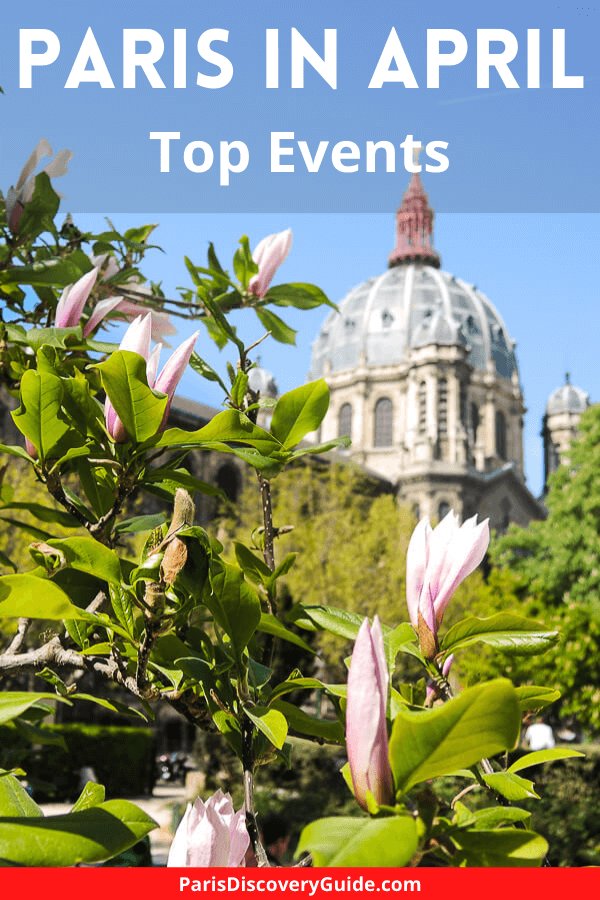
column 551, row 570
column 351, row 538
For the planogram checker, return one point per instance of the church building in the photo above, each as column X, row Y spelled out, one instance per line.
column 424, row 379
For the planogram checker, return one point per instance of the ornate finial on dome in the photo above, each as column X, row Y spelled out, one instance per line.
column 414, row 229
column 567, row 378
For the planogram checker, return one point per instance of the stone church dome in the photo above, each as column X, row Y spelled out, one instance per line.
column 567, row 399
column 410, row 306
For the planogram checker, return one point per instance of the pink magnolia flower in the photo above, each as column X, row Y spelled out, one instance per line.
column 69, row 308
column 438, row 560
column 162, row 326
column 19, row 195
column 366, row 729
column 210, row 834
column 137, row 339
column 268, row 256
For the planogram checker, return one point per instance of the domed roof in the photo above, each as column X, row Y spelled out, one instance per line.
column 409, row 306
column 568, row 398
column 412, row 305
column 262, row 382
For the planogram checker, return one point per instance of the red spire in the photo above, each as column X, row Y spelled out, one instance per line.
column 414, row 229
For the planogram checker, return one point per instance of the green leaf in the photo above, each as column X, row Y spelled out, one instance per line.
column 122, row 605
column 329, row 730
column 89, row 836
column 299, row 295
column 511, row 786
column 270, row 722
column 299, row 412
column 61, row 338
column 140, row 523
column 45, row 514
column 243, row 263
column 297, row 684
column 542, row 756
column 229, row 425
column 345, row 841
column 342, row 622
column 13, row 450
column 279, row 330
column 53, row 272
column 92, row 795
column 38, row 214
column 39, row 416
column 140, row 409
column 15, row 703
column 87, row 555
column 203, row 369
column 252, row 566
column 269, row 624
column 15, row 801
column 533, row 697
column 234, row 604
column 482, row 721
column 35, row 598
column 499, row 816
column 504, row 630
column 508, row 847
column 170, row 480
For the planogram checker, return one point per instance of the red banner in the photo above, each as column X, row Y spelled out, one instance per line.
column 288, row 883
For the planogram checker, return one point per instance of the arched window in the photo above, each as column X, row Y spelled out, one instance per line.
column 416, row 511
column 442, row 413
column 443, row 510
column 463, row 404
column 345, row 420
column 383, row 422
column 501, row 435
column 422, row 404
column 474, row 421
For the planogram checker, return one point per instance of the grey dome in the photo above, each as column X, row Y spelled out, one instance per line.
column 568, row 398
column 262, row 382
column 408, row 306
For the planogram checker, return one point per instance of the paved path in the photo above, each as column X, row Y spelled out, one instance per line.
column 160, row 806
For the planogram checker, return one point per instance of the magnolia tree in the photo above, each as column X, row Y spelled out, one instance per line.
column 186, row 625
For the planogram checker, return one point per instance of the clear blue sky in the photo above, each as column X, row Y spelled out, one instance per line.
column 541, row 272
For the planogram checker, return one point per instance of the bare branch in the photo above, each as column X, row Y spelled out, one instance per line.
column 17, row 642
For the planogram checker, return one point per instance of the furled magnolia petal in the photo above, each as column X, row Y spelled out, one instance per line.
column 59, row 165
column 268, row 256
column 178, row 850
column 138, row 336
column 239, row 841
column 107, row 264
column 161, row 323
column 43, row 149
column 447, row 665
column 152, row 365
column 436, row 563
column 102, row 309
column 416, row 565
column 31, row 448
column 69, row 308
column 173, row 370
column 209, row 835
column 366, row 730
column 466, row 551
